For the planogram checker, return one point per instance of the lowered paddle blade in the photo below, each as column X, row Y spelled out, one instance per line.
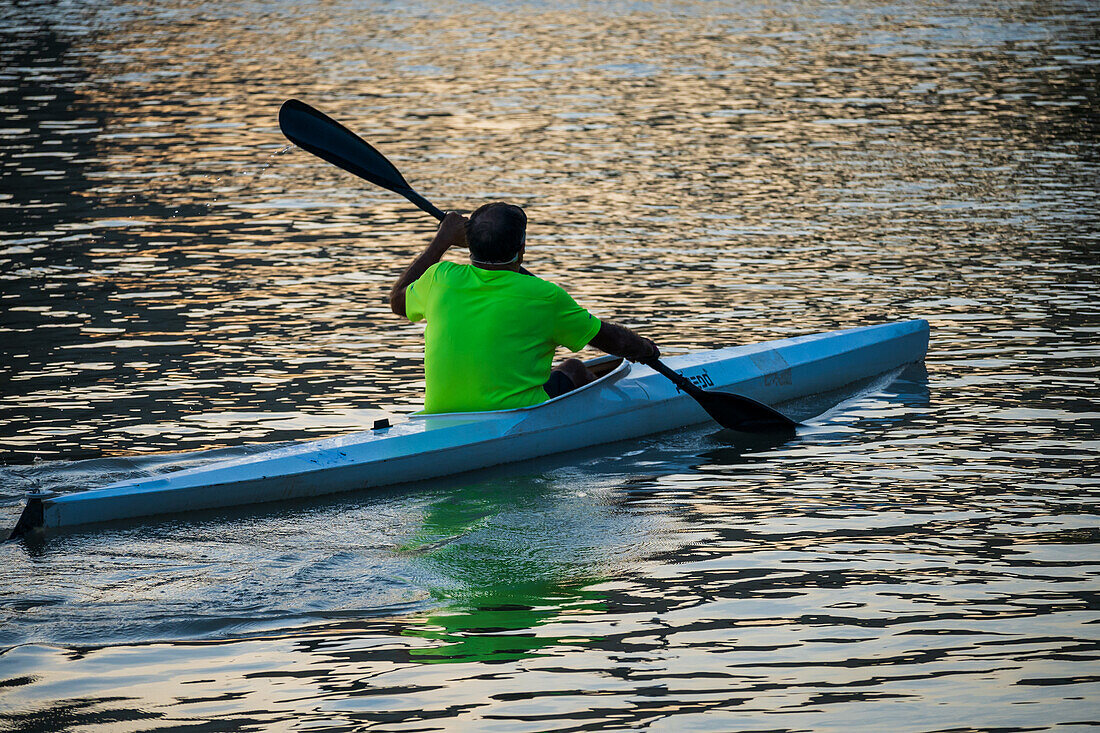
column 737, row 412
column 732, row 411
column 317, row 133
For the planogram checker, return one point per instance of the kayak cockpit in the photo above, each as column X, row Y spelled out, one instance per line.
column 608, row 369
column 601, row 366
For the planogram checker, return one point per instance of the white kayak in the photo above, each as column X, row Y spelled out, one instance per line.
column 628, row 401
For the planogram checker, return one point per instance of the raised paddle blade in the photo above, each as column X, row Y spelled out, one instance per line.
column 732, row 411
column 317, row 133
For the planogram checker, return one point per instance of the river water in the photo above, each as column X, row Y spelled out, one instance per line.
column 178, row 286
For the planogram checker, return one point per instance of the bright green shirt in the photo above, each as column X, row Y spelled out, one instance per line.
column 491, row 335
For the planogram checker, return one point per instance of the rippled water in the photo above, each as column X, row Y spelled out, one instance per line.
column 177, row 286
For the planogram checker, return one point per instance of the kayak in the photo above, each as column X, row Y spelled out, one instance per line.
column 627, row 401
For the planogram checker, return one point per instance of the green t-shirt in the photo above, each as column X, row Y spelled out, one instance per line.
column 491, row 335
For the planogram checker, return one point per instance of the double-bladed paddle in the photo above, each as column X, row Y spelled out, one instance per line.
column 317, row 133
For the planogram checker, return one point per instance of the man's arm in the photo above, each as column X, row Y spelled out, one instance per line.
column 452, row 232
column 621, row 341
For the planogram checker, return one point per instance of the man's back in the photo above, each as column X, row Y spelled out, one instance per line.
column 491, row 335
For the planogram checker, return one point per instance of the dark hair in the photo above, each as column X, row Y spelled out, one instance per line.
column 494, row 233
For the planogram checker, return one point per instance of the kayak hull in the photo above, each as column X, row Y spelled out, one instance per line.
column 630, row 401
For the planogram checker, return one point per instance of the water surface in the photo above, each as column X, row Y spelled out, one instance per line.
column 177, row 287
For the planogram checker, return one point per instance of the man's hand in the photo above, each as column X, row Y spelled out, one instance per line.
column 452, row 231
column 641, row 349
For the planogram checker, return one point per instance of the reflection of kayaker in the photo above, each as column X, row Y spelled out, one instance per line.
column 491, row 331
column 497, row 583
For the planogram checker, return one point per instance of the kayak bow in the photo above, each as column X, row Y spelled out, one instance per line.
column 629, row 401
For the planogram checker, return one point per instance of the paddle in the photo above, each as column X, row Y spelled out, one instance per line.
column 317, row 133
column 732, row 411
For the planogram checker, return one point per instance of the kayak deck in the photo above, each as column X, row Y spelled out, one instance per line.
column 631, row 400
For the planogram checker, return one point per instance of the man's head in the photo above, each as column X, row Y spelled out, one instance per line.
column 496, row 233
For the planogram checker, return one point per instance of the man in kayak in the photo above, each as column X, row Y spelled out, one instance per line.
column 492, row 327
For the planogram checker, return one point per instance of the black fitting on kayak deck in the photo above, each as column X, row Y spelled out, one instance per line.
column 33, row 516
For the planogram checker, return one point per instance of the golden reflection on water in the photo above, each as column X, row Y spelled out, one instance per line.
column 174, row 279
column 707, row 176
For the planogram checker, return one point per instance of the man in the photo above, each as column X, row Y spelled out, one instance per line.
column 492, row 327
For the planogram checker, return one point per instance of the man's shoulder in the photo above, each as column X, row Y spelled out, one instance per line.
column 441, row 268
column 529, row 285
column 443, row 272
column 537, row 287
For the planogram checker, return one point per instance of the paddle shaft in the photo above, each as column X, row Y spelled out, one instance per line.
column 678, row 379
column 421, row 203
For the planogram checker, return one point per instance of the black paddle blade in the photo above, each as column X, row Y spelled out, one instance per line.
column 317, row 133
column 732, row 411
column 737, row 412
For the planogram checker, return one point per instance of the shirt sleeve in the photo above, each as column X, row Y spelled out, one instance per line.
column 416, row 295
column 574, row 327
